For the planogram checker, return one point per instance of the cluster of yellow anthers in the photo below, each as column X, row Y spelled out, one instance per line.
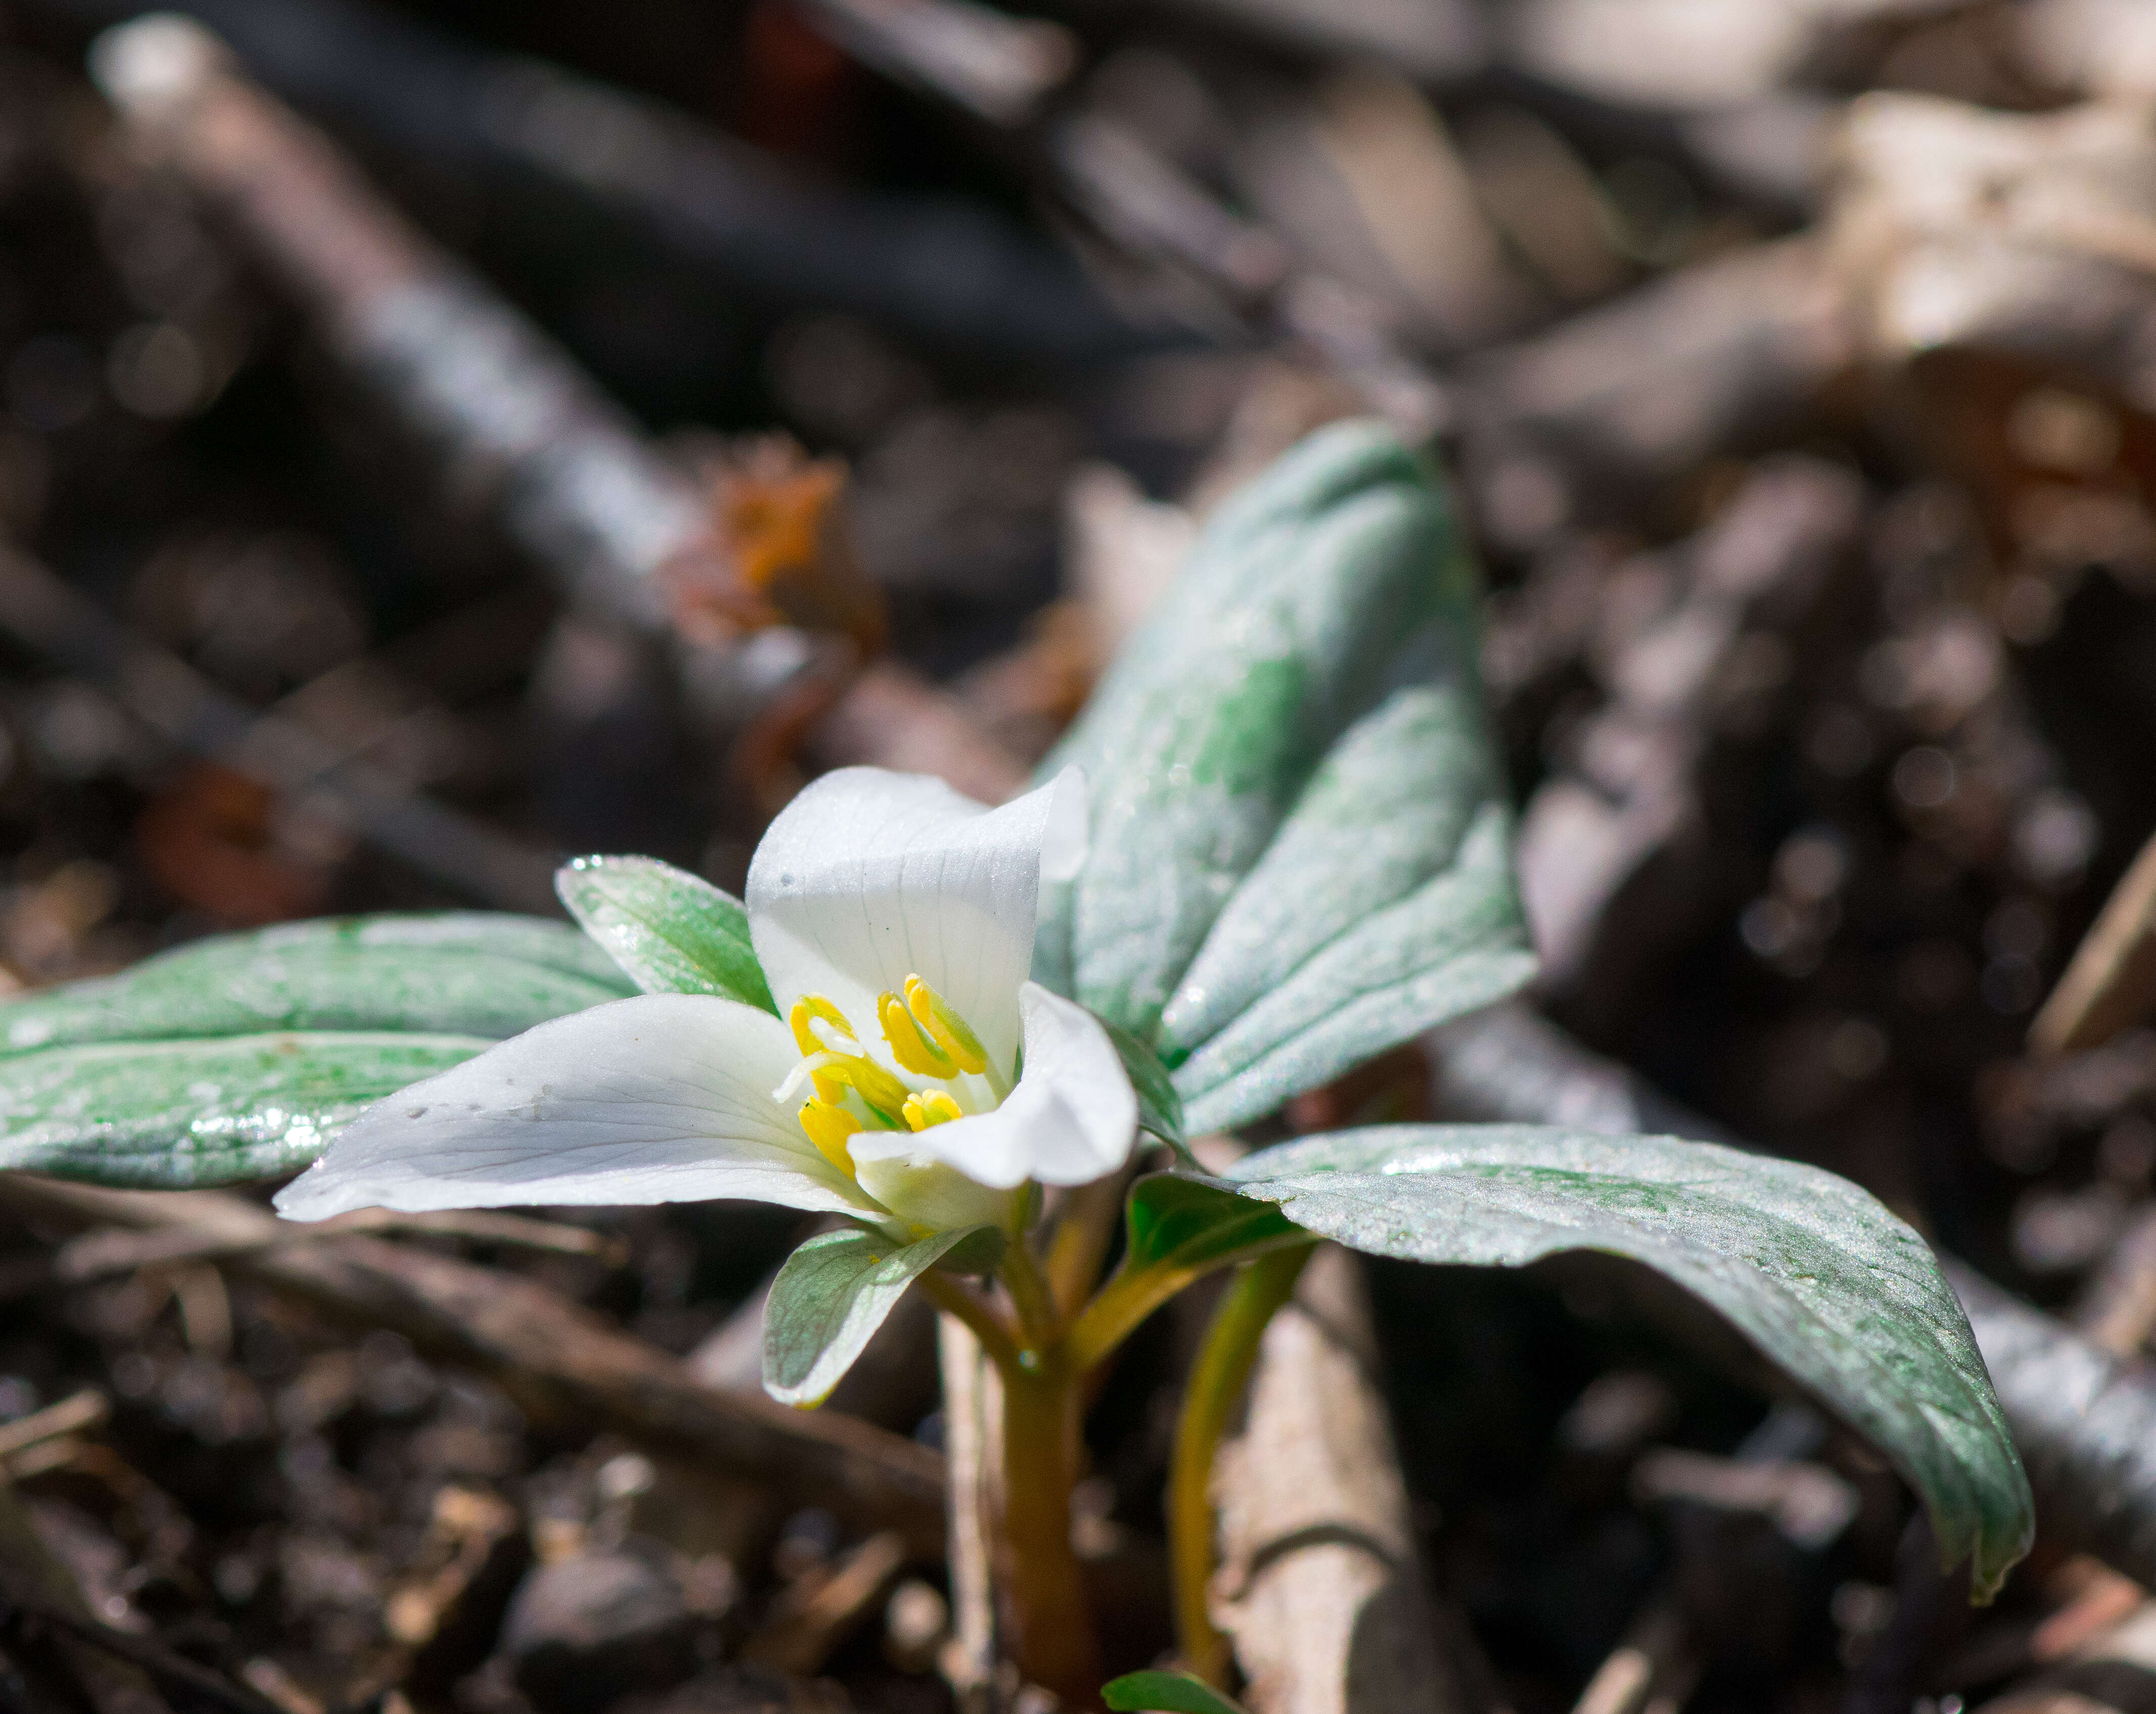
column 855, row 1093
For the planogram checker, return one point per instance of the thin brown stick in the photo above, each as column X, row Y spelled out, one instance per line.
column 558, row 1359
column 2111, row 983
column 188, row 712
column 73, row 1415
column 105, row 1255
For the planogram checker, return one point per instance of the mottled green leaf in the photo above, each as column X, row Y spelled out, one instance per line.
column 673, row 932
column 1829, row 1284
column 1164, row 1693
column 182, row 1113
column 831, row 1296
column 1300, row 847
column 461, row 973
column 239, row 1057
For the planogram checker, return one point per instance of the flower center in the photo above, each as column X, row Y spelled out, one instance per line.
column 937, row 1072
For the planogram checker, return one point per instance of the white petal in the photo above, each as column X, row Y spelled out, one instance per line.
column 665, row 1098
column 1072, row 1119
column 868, row 876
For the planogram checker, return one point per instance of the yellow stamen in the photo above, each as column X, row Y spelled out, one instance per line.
column 934, row 1108
column 836, row 1073
column 829, row 1127
column 908, row 1045
column 811, row 1007
column 951, row 1032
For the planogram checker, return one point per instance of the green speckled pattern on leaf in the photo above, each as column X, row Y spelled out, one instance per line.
column 1300, row 847
column 461, row 973
column 239, row 1057
column 180, row 1114
column 1829, row 1284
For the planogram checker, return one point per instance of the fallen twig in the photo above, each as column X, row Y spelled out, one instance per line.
column 153, row 1657
column 558, row 1359
column 186, row 711
column 2111, row 983
column 510, row 419
column 72, row 1415
column 102, row 1255
column 815, row 1616
column 1321, row 1587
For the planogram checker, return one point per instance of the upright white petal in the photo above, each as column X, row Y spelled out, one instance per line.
column 665, row 1098
column 870, row 877
column 1072, row 1119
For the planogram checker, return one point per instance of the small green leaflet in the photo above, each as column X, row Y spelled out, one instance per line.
column 240, row 1057
column 1837, row 1292
column 673, row 932
column 835, row 1291
column 1164, row 1693
column 1301, row 848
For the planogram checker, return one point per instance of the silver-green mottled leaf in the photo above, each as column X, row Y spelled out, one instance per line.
column 460, row 973
column 239, row 1057
column 830, row 1297
column 1829, row 1284
column 1301, row 847
column 674, row 932
column 182, row 1113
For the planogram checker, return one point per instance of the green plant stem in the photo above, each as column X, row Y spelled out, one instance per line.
column 1217, row 1381
column 1051, row 1620
column 986, row 1323
column 1135, row 1293
column 1082, row 1233
column 1038, row 1322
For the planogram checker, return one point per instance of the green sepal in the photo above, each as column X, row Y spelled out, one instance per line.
column 1160, row 1109
column 1165, row 1693
column 673, row 932
column 836, row 1289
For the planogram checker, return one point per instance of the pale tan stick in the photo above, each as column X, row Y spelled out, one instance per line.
column 813, row 1618
column 76, row 1414
column 1321, row 1589
column 969, row 1660
column 2111, row 983
column 1653, row 1669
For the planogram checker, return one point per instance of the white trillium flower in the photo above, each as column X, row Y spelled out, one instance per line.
column 914, row 1077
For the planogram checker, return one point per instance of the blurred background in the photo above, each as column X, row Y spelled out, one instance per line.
column 439, row 438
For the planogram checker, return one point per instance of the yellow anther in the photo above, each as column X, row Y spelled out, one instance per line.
column 951, row 1032
column 908, row 1045
column 815, row 1006
column 837, row 1073
column 829, row 1127
column 934, row 1108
